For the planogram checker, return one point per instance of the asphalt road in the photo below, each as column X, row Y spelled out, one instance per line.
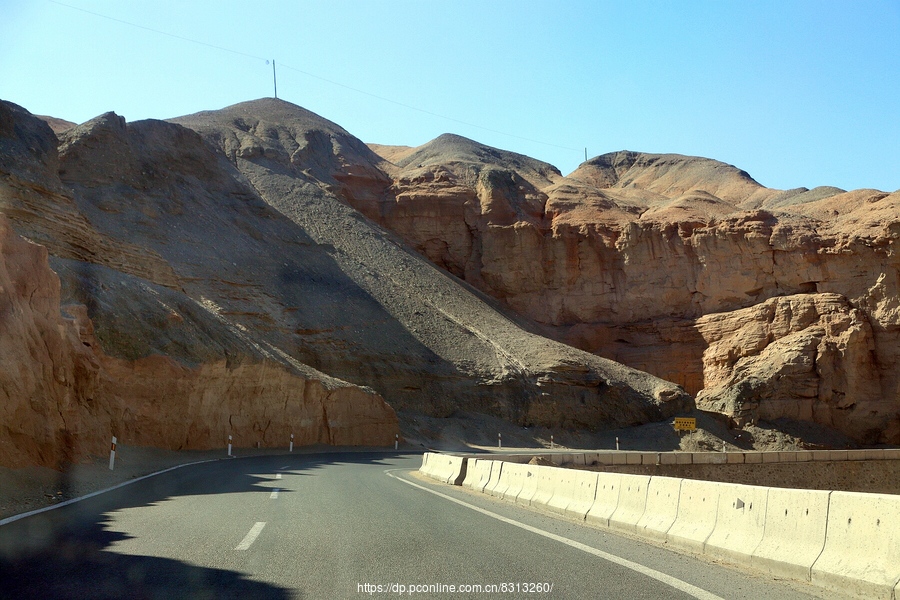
column 335, row 526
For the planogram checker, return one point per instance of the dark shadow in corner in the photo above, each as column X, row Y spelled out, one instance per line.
column 64, row 553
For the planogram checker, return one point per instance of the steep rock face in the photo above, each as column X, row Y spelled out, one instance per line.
column 632, row 249
column 419, row 337
column 805, row 357
column 202, row 300
column 163, row 368
column 62, row 397
column 45, row 372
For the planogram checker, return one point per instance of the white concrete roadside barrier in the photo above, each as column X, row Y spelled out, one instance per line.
column 740, row 522
column 794, row 532
column 862, row 545
column 444, row 467
column 546, row 486
column 697, row 507
column 529, row 485
column 496, row 473
column 632, row 502
column 583, row 494
column 478, row 474
column 663, row 495
column 519, row 480
column 425, row 469
column 564, row 492
column 605, row 500
column 508, row 480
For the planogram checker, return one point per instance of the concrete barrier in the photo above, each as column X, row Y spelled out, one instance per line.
column 697, row 507
column 561, row 459
column 663, row 494
column 632, row 502
column 529, row 485
column 584, row 493
column 667, row 458
column 606, row 499
column 546, row 486
column 709, row 458
column 794, row 532
column 496, row 470
column 862, row 552
column 478, row 474
column 503, row 482
column 564, row 490
column 515, row 477
column 444, row 467
column 736, row 458
column 740, row 522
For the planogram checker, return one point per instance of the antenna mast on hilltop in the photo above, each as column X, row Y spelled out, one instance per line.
column 274, row 79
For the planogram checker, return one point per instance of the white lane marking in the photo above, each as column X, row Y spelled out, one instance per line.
column 98, row 492
column 274, row 494
column 285, row 467
column 251, row 536
column 277, row 475
column 674, row 582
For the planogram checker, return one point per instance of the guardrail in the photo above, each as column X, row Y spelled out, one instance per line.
column 845, row 541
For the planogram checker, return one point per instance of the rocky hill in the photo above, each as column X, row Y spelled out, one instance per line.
column 767, row 304
column 211, row 276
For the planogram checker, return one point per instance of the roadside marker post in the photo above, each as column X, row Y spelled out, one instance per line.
column 229, row 445
column 617, row 443
column 551, row 441
column 499, row 441
column 396, row 441
column 112, row 454
column 291, row 448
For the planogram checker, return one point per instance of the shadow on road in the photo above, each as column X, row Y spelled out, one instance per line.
column 66, row 553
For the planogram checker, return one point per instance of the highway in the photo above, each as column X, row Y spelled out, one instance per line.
column 338, row 525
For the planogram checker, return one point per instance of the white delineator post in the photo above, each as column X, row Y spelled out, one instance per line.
column 499, row 441
column 396, row 441
column 112, row 454
column 229, row 445
column 551, row 442
column 291, row 448
column 617, row 443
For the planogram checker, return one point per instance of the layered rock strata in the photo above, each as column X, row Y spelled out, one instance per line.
column 209, row 281
column 624, row 255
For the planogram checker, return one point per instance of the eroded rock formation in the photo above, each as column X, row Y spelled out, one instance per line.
column 215, row 273
column 631, row 249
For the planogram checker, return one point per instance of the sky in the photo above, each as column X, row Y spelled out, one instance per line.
column 796, row 93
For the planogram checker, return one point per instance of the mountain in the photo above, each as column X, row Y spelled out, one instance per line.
column 214, row 279
column 643, row 259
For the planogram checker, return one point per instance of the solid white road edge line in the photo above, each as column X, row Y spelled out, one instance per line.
column 97, row 493
column 274, row 494
column 251, row 536
column 674, row 582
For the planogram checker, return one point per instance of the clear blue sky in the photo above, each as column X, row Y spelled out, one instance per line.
column 796, row 93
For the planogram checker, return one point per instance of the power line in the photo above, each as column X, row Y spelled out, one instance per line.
column 165, row 33
column 308, row 74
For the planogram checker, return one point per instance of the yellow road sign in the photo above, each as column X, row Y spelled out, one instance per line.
column 685, row 424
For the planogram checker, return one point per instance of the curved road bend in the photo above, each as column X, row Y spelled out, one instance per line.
column 337, row 525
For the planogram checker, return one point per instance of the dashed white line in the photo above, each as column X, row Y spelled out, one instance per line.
column 251, row 536
column 274, row 494
column 277, row 475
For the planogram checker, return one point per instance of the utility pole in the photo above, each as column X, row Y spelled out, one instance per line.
column 275, row 82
